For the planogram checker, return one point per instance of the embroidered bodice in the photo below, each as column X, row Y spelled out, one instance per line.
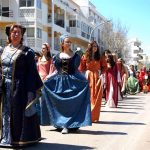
column 66, row 65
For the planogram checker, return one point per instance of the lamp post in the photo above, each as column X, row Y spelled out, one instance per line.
column 52, row 31
column 97, row 27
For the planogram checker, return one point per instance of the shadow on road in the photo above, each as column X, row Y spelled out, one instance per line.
column 126, row 105
column 119, row 107
column 121, row 123
column 131, row 98
column 101, row 132
column 57, row 146
column 131, row 112
column 128, row 102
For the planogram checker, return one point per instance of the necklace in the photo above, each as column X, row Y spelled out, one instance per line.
column 14, row 47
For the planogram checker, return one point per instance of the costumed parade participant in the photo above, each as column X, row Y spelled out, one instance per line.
column 112, row 82
column 132, row 82
column 45, row 68
column 19, row 126
column 90, row 64
column 67, row 92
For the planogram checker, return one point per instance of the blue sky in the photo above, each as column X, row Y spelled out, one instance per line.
column 134, row 14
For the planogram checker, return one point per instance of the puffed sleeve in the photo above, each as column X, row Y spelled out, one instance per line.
column 51, row 67
column 82, row 66
column 103, row 64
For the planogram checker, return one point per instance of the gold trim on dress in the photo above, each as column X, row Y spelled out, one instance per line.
column 24, row 143
column 38, row 95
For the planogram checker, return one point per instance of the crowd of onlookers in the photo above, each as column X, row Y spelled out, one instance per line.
column 138, row 80
column 143, row 76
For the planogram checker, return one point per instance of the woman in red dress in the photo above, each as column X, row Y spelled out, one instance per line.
column 124, row 75
column 112, row 81
column 45, row 68
column 45, row 65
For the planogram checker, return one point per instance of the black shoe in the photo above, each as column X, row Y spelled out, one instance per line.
column 73, row 129
column 59, row 129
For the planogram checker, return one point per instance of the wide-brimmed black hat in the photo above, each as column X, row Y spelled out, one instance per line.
column 8, row 27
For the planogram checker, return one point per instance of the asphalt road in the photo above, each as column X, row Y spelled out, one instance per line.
column 124, row 128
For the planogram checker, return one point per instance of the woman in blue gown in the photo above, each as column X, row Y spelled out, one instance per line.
column 19, row 126
column 67, row 92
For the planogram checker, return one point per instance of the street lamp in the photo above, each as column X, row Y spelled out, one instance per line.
column 52, row 31
column 97, row 27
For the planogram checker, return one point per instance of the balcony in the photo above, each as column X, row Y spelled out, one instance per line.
column 135, row 58
column 137, row 43
column 24, row 12
column 140, row 56
column 60, row 23
column 75, row 30
column 30, row 14
column 136, row 51
column 68, row 29
column 31, row 42
column 34, row 43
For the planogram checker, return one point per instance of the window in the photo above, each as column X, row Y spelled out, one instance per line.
column 72, row 23
column 22, row 3
column 30, row 3
column 26, row 3
column 4, row 8
column 38, row 4
column 84, row 27
column 5, row 11
column 30, row 32
column 78, row 23
column 0, row 10
column 39, row 33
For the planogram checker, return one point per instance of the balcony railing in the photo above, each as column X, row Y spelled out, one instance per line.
column 75, row 30
column 34, row 43
column 30, row 12
column 68, row 29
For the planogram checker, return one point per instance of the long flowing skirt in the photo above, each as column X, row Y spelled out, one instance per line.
column 96, row 91
column 68, row 100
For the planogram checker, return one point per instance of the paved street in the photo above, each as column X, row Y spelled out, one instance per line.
column 124, row 128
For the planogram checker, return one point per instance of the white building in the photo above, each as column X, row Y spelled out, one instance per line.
column 46, row 20
column 144, row 62
column 135, row 52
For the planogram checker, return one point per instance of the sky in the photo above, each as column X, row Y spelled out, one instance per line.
column 133, row 14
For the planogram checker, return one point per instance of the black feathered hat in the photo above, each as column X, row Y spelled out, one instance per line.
column 8, row 27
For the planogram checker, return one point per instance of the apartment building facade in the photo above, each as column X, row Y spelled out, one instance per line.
column 136, row 53
column 46, row 20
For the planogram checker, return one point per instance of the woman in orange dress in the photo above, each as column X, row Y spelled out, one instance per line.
column 45, row 68
column 90, row 64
